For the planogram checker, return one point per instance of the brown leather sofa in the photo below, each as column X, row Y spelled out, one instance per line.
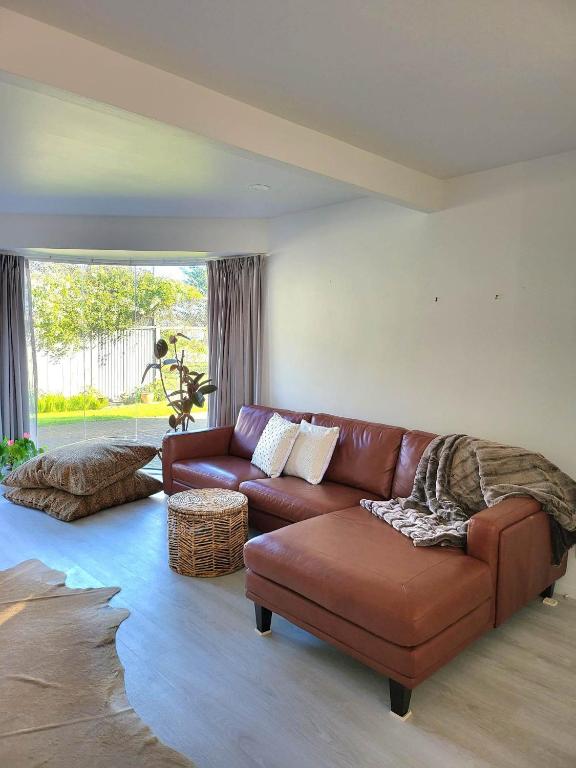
column 351, row 579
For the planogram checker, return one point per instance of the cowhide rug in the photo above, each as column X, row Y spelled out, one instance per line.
column 62, row 697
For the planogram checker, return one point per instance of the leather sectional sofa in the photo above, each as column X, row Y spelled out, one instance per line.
column 331, row 567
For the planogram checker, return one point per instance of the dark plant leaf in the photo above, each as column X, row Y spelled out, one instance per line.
column 172, row 420
column 148, row 367
column 186, row 405
column 160, row 348
column 207, row 389
column 183, row 336
column 177, row 392
column 172, row 339
column 198, row 399
column 174, row 367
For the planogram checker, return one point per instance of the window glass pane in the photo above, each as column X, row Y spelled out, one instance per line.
column 178, row 302
column 95, row 329
column 60, row 333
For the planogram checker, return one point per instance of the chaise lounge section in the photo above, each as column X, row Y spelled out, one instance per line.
column 329, row 566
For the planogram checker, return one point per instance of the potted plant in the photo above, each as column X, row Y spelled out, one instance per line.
column 146, row 396
column 192, row 386
column 16, row 452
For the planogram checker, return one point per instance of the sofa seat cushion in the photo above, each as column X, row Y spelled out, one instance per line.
column 215, row 472
column 361, row 569
column 293, row 499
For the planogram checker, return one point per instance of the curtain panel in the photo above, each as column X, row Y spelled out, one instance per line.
column 16, row 393
column 234, row 298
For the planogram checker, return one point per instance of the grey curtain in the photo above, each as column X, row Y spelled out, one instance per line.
column 15, row 390
column 234, row 296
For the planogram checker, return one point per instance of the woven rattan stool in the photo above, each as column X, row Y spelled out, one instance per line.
column 207, row 529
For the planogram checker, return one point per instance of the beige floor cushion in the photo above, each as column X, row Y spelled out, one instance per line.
column 83, row 468
column 67, row 506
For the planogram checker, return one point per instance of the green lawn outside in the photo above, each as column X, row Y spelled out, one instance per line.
column 112, row 412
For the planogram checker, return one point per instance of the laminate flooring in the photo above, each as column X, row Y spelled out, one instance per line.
column 210, row 687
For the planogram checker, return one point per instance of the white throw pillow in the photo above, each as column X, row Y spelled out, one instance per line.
column 312, row 452
column 274, row 446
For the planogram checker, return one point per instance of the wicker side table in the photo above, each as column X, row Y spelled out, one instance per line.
column 207, row 529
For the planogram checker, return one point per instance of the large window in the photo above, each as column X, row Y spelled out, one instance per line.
column 95, row 328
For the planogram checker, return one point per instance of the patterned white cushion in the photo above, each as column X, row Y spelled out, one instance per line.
column 274, row 446
column 312, row 452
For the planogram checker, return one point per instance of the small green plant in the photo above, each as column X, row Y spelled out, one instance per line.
column 191, row 388
column 154, row 388
column 16, row 452
column 91, row 400
column 51, row 403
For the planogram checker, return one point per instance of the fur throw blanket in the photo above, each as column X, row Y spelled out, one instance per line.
column 459, row 475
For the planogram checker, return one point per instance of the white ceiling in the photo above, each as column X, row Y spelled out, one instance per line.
column 444, row 86
column 64, row 155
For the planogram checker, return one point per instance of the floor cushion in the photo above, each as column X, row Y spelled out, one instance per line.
column 68, row 506
column 82, row 468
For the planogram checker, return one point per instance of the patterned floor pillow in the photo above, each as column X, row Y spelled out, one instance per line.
column 68, row 506
column 82, row 468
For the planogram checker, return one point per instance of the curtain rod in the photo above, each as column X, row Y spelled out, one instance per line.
column 119, row 262
column 160, row 262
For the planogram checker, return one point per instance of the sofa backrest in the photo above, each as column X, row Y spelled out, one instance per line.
column 250, row 424
column 365, row 455
column 413, row 444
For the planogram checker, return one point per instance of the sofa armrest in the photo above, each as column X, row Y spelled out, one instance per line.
column 513, row 538
column 485, row 527
column 192, row 445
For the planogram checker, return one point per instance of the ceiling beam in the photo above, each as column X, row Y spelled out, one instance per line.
column 47, row 55
column 133, row 233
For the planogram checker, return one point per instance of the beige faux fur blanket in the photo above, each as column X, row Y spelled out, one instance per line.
column 459, row 475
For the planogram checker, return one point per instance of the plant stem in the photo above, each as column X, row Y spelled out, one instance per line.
column 184, row 421
column 164, row 387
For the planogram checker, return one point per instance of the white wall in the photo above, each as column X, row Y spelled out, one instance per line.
column 353, row 327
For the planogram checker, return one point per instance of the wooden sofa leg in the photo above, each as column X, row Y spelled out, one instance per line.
column 263, row 619
column 400, row 700
column 549, row 591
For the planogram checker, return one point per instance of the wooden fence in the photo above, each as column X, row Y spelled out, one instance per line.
column 112, row 364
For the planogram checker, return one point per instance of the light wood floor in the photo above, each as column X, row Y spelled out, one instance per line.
column 203, row 680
